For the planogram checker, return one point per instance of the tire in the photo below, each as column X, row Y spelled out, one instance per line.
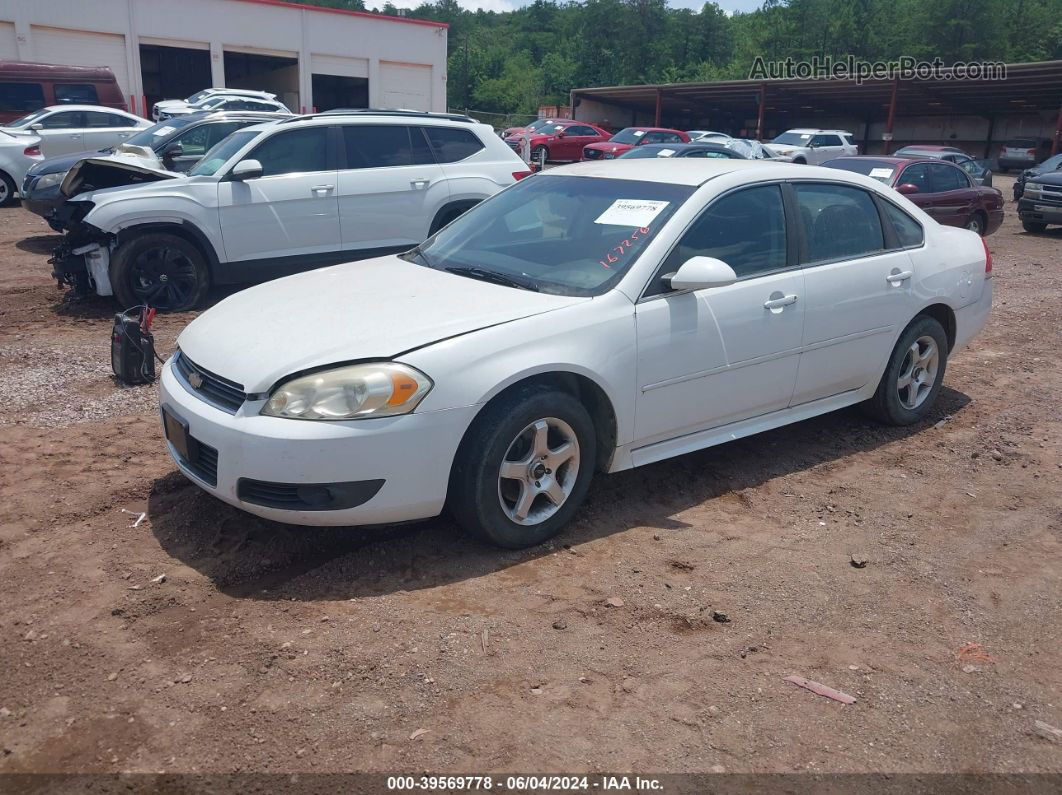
column 445, row 216
column 7, row 190
column 1033, row 226
column 888, row 404
column 800, row 161
column 539, row 156
column 161, row 270
column 977, row 224
column 487, row 504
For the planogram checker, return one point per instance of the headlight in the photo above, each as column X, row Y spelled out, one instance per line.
column 48, row 180
column 359, row 391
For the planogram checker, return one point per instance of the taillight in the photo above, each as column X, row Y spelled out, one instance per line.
column 519, row 175
column 1030, row 152
column 32, row 151
column 988, row 259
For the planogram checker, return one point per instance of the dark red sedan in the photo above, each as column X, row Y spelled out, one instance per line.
column 627, row 139
column 943, row 190
column 558, row 139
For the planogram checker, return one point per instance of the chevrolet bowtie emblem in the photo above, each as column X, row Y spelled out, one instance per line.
column 195, row 379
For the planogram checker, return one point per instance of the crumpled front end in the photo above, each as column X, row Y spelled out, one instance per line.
column 82, row 260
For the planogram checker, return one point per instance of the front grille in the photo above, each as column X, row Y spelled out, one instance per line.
column 1054, row 191
column 28, row 183
column 514, row 145
column 220, row 392
column 591, row 154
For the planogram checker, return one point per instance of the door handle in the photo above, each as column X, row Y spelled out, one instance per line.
column 779, row 303
column 75, row 135
column 419, row 183
column 899, row 276
column 322, row 188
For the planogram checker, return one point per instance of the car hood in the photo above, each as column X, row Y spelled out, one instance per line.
column 111, row 171
column 1050, row 178
column 371, row 309
column 609, row 146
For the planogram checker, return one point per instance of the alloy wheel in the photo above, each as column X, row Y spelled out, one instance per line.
column 163, row 277
column 538, row 471
column 918, row 373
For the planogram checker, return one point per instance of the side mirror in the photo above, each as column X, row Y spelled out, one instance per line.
column 907, row 189
column 173, row 150
column 36, row 126
column 246, row 169
column 561, row 133
column 697, row 273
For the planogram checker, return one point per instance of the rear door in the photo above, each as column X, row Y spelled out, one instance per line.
column 390, row 187
column 954, row 198
column 103, row 130
column 63, row 133
column 858, row 283
column 290, row 210
column 576, row 136
column 826, row 147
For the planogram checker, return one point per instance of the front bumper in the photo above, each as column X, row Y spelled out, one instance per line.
column 411, row 455
column 1040, row 210
column 41, row 202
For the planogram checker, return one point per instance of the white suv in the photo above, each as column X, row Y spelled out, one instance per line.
column 813, row 146
column 273, row 199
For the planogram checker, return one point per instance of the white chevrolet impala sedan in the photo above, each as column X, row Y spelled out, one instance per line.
column 592, row 318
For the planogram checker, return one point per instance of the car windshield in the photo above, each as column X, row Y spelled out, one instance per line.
column 213, row 102
column 221, row 154
column 649, row 151
column 881, row 170
column 158, row 133
column 563, row 235
column 198, row 96
column 793, row 139
column 627, row 136
column 535, row 126
column 28, row 119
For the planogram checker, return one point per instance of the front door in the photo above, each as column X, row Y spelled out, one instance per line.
column 715, row 356
column 290, row 211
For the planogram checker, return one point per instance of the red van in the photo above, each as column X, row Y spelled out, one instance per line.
column 26, row 87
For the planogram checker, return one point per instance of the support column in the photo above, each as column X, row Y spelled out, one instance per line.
column 217, row 65
column 988, row 141
column 759, row 114
column 659, row 106
column 892, row 117
column 375, row 95
column 1055, row 143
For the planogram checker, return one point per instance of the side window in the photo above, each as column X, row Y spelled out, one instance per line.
column 293, row 152
column 76, row 94
column 947, row 177
column 199, row 139
column 94, row 118
column 908, row 230
column 672, row 138
column 21, row 97
column 451, row 145
column 381, row 146
column 840, row 222
column 917, row 175
column 64, row 120
column 581, row 130
column 819, row 140
column 746, row 230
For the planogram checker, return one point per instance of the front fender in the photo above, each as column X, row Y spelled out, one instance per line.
column 121, row 214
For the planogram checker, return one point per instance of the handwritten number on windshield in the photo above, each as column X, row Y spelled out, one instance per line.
column 623, row 248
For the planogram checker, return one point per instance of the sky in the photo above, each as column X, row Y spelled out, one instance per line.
column 509, row 5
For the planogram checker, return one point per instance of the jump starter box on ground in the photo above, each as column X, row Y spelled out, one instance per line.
column 133, row 347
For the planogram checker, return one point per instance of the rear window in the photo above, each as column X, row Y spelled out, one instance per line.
column 1021, row 143
column 451, row 145
column 881, row 170
column 381, row 146
column 21, row 97
column 76, row 94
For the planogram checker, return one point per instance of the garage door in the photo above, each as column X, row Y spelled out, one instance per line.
column 8, row 49
column 81, row 48
column 405, row 85
column 339, row 65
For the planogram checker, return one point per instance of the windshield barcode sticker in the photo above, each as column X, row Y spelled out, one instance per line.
column 631, row 212
column 884, row 173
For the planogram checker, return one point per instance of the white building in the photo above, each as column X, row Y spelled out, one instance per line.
column 311, row 57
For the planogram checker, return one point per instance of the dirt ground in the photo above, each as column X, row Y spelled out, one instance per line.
column 204, row 639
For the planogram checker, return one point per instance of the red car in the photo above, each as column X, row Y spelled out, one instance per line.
column 941, row 189
column 558, row 139
column 627, row 139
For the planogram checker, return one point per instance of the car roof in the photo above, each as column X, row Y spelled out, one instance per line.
column 816, row 130
column 653, row 129
column 100, row 108
column 895, row 161
column 931, row 148
column 693, row 172
column 684, row 147
column 327, row 118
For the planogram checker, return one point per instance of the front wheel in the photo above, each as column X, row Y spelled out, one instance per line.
column 1033, row 226
column 911, row 382
column 539, row 156
column 524, row 468
column 160, row 270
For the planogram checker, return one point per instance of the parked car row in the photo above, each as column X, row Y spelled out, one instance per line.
column 217, row 99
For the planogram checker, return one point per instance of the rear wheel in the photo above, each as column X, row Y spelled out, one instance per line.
column 524, row 468
column 800, row 160
column 1033, row 226
column 911, row 382
column 160, row 270
column 976, row 223
column 7, row 190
